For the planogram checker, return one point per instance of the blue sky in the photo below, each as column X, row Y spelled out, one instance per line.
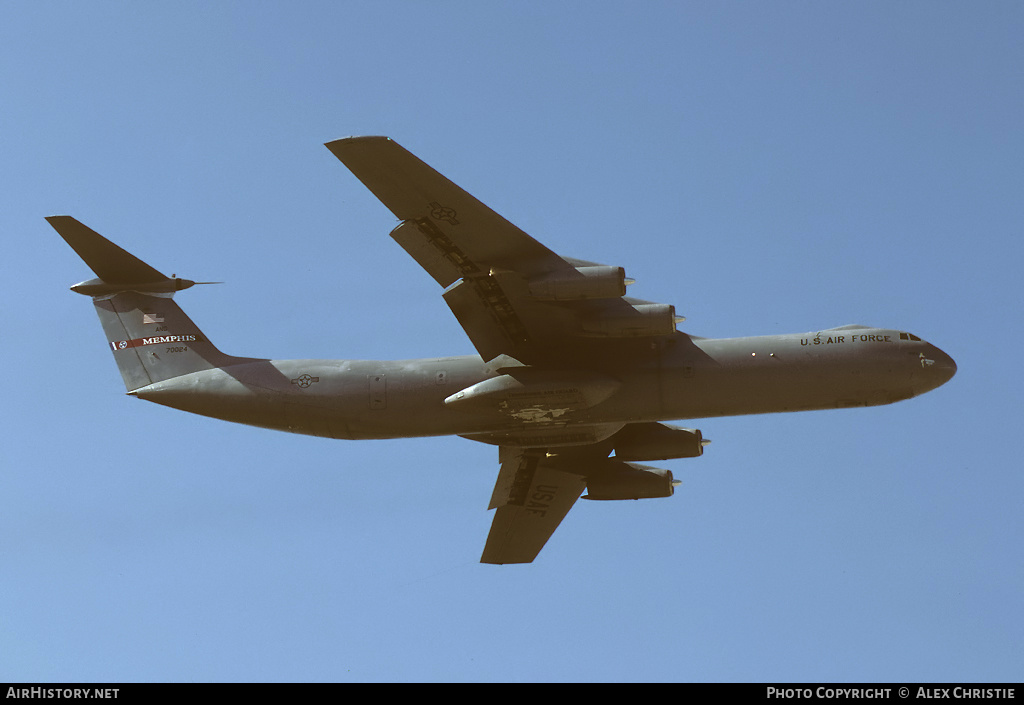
column 766, row 167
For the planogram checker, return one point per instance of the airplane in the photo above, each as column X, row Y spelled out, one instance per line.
column 573, row 381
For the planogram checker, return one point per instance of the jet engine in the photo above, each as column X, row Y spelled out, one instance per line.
column 635, row 321
column 629, row 481
column 658, row 441
column 597, row 282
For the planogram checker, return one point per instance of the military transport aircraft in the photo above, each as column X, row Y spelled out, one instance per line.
column 573, row 380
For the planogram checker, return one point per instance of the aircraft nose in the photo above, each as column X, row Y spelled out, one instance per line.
column 943, row 366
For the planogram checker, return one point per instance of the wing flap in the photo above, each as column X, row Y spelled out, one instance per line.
column 488, row 316
column 424, row 247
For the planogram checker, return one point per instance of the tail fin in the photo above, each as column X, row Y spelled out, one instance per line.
column 151, row 337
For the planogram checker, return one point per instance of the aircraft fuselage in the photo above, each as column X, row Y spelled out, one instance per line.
column 681, row 377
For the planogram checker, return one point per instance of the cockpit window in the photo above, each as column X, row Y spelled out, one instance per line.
column 909, row 336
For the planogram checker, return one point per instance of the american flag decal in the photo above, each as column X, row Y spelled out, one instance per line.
column 152, row 318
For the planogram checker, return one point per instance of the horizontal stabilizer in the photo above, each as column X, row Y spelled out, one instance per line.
column 110, row 263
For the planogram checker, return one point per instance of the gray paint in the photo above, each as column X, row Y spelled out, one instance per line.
column 568, row 368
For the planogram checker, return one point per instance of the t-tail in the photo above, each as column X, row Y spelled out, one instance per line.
column 150, row 336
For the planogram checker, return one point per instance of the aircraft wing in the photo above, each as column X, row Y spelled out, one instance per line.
column 537, row 488
column 533, row 494
column 511, row 294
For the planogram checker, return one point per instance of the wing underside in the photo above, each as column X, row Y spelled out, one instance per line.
column 510, row 293
column 536, row 488
column 532, row 496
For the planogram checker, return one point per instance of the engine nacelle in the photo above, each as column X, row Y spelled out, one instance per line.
column 598, row 282
column 629, row 481
column 656, row 441
column 637, row 320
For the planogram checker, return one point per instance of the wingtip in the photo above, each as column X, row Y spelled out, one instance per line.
column 358, row 138
column 339, row 145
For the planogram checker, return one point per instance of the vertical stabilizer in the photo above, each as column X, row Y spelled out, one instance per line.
column 151, row 338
